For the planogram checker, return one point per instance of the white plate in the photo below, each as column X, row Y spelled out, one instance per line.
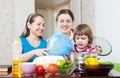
column 46, row 60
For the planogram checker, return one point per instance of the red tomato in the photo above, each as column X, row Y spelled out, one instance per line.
column 40, row 69
column 53, row 68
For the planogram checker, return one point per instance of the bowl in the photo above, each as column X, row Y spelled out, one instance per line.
column 46, row 60
column 101, row 70
column 28, row 68
column 65, row 71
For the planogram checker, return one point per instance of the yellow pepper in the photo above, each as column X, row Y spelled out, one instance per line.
column 91, row 61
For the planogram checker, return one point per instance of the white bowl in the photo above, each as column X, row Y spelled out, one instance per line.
column 46, row 60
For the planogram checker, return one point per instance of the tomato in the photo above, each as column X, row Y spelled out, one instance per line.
column 52, row 68
column 40, row 69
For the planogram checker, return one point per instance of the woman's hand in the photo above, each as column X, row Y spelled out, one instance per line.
column 40, row 52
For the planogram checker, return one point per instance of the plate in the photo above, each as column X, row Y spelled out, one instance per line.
column 63, row 72
column 46, row 60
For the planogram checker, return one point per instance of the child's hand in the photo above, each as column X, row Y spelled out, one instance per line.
column 99, row 49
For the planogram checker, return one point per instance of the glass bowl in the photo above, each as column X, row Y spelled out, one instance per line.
column 65, row 71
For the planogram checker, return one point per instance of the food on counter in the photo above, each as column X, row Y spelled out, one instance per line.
column 64, row 66
column 53, row 68
column 40, row 69
column 46, row 60
column 63, row 63
column 91, row 61
column 57, row 63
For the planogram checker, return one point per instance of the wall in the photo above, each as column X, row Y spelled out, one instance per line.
column 6, row 30
column 13, row 14
column 107, row 13
column 88, row 13
column 22, row 8
column 84, row 12
column 75, row 6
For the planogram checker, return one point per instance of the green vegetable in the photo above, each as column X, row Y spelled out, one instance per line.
column 64, row 71
column 60, row 63
column 64, row 66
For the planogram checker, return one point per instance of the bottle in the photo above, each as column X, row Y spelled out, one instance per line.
column 16, row 62
column 72, row 57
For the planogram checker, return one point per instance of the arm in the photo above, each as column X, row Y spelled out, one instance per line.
column 38, row 52
column 94, row 50
column 28, row 55
column 97, row 49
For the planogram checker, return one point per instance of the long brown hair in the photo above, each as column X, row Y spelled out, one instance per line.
column 30, row 20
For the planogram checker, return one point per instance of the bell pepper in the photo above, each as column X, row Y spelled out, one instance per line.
column 64, row 65
column 60, row 63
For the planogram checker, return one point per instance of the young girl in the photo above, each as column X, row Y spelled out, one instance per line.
column 83, row 38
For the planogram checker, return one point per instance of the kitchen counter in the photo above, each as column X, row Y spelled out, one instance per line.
column 78, row 75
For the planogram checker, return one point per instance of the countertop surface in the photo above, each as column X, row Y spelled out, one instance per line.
column 112, row 73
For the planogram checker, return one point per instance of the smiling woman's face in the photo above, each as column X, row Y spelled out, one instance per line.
column 64, row 23
column 37, row 27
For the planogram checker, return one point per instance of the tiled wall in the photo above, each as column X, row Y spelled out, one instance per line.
column 6, row 30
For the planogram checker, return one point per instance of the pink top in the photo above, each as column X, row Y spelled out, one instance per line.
column 89, row 49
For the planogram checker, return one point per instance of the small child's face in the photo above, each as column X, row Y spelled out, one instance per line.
column 81, row 41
